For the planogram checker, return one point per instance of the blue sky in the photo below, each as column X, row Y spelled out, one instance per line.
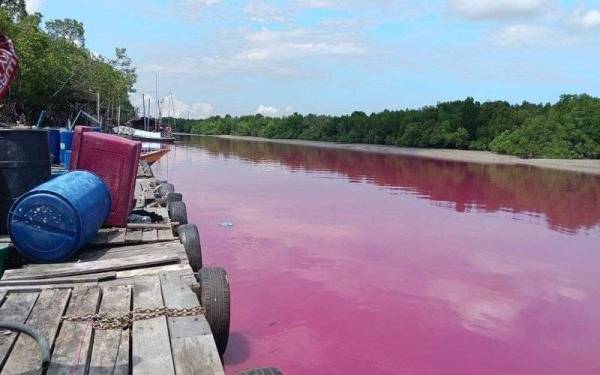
column 337, row 56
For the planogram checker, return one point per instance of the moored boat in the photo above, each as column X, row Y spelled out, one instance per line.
column 152, row 157
column 143, row 135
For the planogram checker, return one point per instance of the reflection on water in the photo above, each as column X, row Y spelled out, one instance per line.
column 564, row 198
column 347, row 262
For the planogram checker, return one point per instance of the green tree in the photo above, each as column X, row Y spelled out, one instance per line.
column 69, row 29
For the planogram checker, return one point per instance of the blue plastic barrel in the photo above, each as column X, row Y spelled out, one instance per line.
column 66, row 142
column 54, row 145
column 52, row 221
column 67, row 158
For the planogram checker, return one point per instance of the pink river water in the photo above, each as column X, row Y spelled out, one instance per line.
column 345, row 262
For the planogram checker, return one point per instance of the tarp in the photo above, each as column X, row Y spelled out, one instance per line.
column 9, row 65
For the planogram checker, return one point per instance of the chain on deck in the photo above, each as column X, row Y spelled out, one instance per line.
column 125, row 321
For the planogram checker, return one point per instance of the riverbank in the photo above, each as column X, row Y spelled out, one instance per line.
column 483, row 157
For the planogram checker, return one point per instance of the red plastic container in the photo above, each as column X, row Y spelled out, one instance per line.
column 79, row 129
column 115, row 160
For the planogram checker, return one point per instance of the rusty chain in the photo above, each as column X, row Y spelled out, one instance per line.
column 104, row 321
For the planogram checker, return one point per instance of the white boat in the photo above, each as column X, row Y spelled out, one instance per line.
column 141, row 135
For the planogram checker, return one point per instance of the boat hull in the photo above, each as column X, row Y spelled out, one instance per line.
column 153, row 156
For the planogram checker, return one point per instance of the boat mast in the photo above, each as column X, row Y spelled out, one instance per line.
column 157, row 120
column 149, row 112
column 144, row 109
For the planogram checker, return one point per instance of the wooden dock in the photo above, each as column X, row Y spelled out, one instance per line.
column 124, row 269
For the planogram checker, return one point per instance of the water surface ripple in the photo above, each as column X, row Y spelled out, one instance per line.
column 346, row 262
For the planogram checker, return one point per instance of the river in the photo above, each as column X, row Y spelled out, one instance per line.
column 346, row 262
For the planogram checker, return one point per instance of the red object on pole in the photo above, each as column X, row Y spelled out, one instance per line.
column 9, row 65
column 115, row 160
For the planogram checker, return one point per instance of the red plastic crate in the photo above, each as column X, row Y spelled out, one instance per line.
column 115, row 160
column 79, row 129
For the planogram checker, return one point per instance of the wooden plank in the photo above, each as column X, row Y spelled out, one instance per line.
column 192, row 344
column 165, row 235
column 2, row 295
column 116, row 236
column 151, row 226
column 47, row 271
column 45, row 318
column 151, row 351
column 110, row 354
column 148, row 193
column 149, row 235
column 133, row 236
column 62, row 280
column 73, row 345
column 153, row 270
column 42, row 286
column 15, row 309
column 162, row 211
column 170, row 247
column 138, row 192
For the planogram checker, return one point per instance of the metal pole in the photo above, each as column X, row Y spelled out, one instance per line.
column 98, row 105
column 144, row 109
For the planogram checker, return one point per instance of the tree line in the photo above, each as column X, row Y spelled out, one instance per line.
column 58, row 73
column 569, row 128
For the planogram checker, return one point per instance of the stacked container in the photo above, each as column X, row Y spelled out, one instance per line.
column 115, row 160
column 54, row 145
column 66, row 141
column 24, row 164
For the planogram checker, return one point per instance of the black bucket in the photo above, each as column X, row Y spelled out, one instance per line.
column 24, row 164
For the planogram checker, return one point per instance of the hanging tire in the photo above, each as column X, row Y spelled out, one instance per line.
column 262, row 371
column 214, row 297
column 177, row 212
column 173, row 197
column 190, row 239
column 165, row 188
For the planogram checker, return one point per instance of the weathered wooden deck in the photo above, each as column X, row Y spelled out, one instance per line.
column 124, row 269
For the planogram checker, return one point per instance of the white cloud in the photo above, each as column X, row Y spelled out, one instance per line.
column 587, row 19
column 527, row 35
column 261, row 11
column 496, row 9
column 269, row 111
column 198, row 3
column 193, row 110
column 188, row 9
column 318, row 3
column 298, row 43
column 33, row 6
column 273, row 53
column 172, row 107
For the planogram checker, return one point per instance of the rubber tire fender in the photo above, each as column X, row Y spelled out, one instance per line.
column 165, row 188
column 190, row 239
column 173, row 197
column 261, row 371
column 177, row 212
column 215, row 298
